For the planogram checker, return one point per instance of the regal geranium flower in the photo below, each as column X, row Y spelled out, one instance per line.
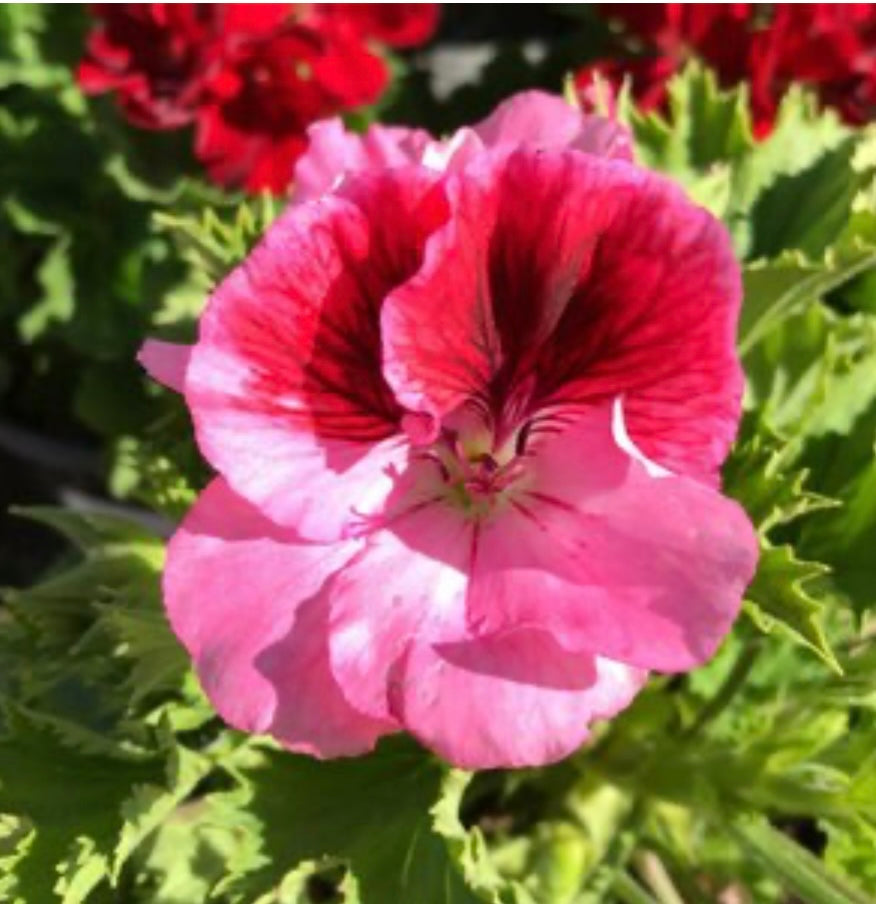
column 157, row 56
column 250, row 77
column 466, row 409
column 254, row 113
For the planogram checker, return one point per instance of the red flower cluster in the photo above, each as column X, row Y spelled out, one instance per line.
column 829, row 47
column 249, row 77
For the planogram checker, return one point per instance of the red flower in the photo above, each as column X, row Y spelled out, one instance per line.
column 829, row 47
column 156, row 56
column 250, row 77
column 252, row 121
column 394, row 24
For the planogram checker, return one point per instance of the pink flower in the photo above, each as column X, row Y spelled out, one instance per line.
column 467, row 408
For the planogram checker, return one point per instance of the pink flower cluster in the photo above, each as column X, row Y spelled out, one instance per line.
column 251, row 77
column 831, row 47
column 466, row 403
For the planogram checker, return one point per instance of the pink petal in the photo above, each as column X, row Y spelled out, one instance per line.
column 165, row 362
column 333, row 152
column 645, row 570
column 549, row 121
column 655, row 321
column 285, row 386
column 564, row 278
column 508, row 701
column 409, row 582
column 241, row 595
column 497, row 277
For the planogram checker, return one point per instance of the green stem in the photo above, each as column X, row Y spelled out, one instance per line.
column 650, row 867
column 732, row 683
column 629, row 891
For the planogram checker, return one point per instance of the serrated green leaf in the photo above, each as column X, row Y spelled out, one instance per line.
column 56, row 303
column 851, row 851
column 72, row 797
column 802, row 135
column 374, row 813
column 159, row 662
column 846, row 538
column 97, row 532
column 777, row 596
column 468, row 849
column 806, row 209
column 705, row 125
column 216, row 240
column 759, row 474
column 149, row 806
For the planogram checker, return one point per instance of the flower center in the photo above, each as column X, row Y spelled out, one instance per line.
column 477, row 476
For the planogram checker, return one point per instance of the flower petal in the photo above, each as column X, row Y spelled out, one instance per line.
column 509, row 701
column 498, row 275
column 409, row 581
column 241, row 596
column 333, row 151
column 645, row 570
column 565, row 278
column 166, row 362
column 284, row 385
column 549, row 121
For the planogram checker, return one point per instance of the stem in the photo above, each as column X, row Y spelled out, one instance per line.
column 737, row 677
column 652, row 870
column 629, row 891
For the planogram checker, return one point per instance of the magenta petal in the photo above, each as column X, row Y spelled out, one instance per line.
column 648, row 571
column 509, row 701
column 333, row 152
column 549, row 121
column 409, row 582
column 285, row 386
column 240, row 595
column 166, row 362
column 496, row 278
column 563, row 278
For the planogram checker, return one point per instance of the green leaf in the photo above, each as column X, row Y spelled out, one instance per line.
column 787, row 285
column 217, row 240
column 777, row 596
column 803, row 136
column 374, row 813
column 72, row 796
column 159, row 663
column 467, row 847
column 705, row 125
column 799, row 871
column 846, row 538
column 56, row 281
column 96, row 533
column 149, row 806
column 813, row 374
column 760, row 475
column 851, row 851
column 808, row 208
